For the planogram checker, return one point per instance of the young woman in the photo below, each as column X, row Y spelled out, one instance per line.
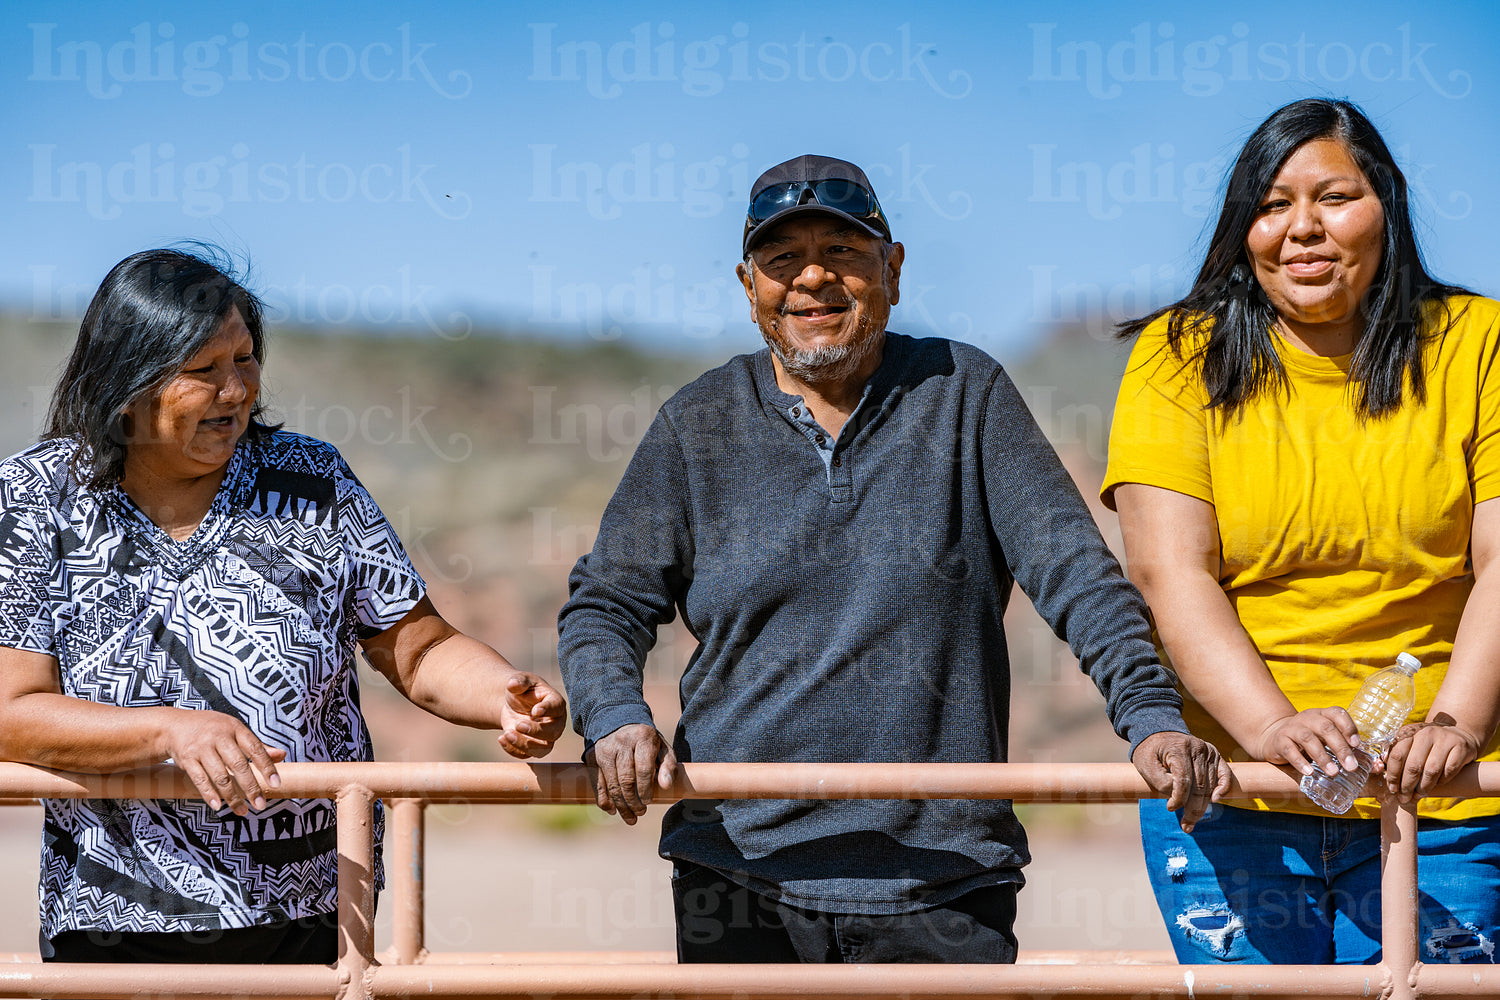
column 1306, row 459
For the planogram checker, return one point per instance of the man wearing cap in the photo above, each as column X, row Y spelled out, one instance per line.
column 838, row 519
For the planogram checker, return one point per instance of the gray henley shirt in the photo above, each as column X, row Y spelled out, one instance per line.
column 850, row 611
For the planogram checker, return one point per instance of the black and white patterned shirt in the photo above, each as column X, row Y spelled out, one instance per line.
column 256, row 615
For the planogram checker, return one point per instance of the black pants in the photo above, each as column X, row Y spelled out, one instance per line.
column 719, row 920
column 307, row 941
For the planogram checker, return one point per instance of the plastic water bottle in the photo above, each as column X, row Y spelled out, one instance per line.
column 1379, row 709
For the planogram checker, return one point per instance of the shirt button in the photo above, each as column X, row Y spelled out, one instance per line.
column 796, row 411
column 820, row 439
column 836, row 460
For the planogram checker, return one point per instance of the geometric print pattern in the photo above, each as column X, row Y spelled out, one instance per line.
column 256, row 615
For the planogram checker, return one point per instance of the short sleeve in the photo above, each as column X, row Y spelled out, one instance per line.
column 385, row 585
column 1481, row 320
column 1159, row 435
column 26, row 558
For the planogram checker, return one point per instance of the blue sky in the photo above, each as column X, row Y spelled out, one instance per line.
column 581, row 170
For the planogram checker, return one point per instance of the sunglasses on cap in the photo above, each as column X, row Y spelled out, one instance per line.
column 849, row 197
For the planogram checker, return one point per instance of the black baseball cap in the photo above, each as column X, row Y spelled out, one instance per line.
column 811, row 183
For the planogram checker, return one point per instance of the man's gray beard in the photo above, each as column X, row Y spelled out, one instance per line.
column 831, row 363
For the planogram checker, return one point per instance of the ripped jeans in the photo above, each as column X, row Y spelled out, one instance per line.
column 1288, row 889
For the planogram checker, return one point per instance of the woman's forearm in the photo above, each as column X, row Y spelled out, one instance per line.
column 441, row 670
column 1215, row 659
column 1466, row 708
column 1470, row 694
column 41, row 725
column 227, row 763
column 463, row 681
column 1172, row 555
column 55, row 730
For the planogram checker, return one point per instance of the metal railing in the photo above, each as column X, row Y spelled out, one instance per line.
column 407, row 969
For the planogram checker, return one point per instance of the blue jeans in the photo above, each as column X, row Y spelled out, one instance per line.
column 1287, row 889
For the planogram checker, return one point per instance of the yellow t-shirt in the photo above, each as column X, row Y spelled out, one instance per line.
column 1343, row 541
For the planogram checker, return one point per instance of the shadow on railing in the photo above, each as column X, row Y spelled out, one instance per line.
column 407, row 969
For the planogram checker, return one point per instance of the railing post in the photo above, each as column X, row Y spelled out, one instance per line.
column 408, row 844
column 356, row 842
column 1398, row 894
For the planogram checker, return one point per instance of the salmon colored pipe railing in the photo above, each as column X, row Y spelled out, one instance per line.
column 407, row 970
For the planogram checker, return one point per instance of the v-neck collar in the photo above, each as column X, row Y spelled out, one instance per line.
column 185, row 556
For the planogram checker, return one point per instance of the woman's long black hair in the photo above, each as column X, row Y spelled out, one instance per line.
column 1239, row 359
column 154, row 311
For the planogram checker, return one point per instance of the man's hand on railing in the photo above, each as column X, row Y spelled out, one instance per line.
column 631, row 763
column 1189, row 770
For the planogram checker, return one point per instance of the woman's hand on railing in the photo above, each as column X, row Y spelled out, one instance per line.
column 1313, row 739
column 221, row 756
column 1187, row 769
column 1424, row 755
column 533, row 715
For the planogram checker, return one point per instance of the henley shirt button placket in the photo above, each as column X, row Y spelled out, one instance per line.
column 840, row 483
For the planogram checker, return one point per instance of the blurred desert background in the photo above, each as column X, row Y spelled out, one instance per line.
column 494, row 455
column 545, row 197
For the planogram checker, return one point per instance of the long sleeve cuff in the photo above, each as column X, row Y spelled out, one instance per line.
column 1149, row 722
column 606, row 719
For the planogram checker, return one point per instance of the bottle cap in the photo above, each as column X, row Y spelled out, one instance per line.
column 1408, row 662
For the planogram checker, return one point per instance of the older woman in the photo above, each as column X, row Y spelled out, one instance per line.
column 1306, row 462
column 180, row 581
